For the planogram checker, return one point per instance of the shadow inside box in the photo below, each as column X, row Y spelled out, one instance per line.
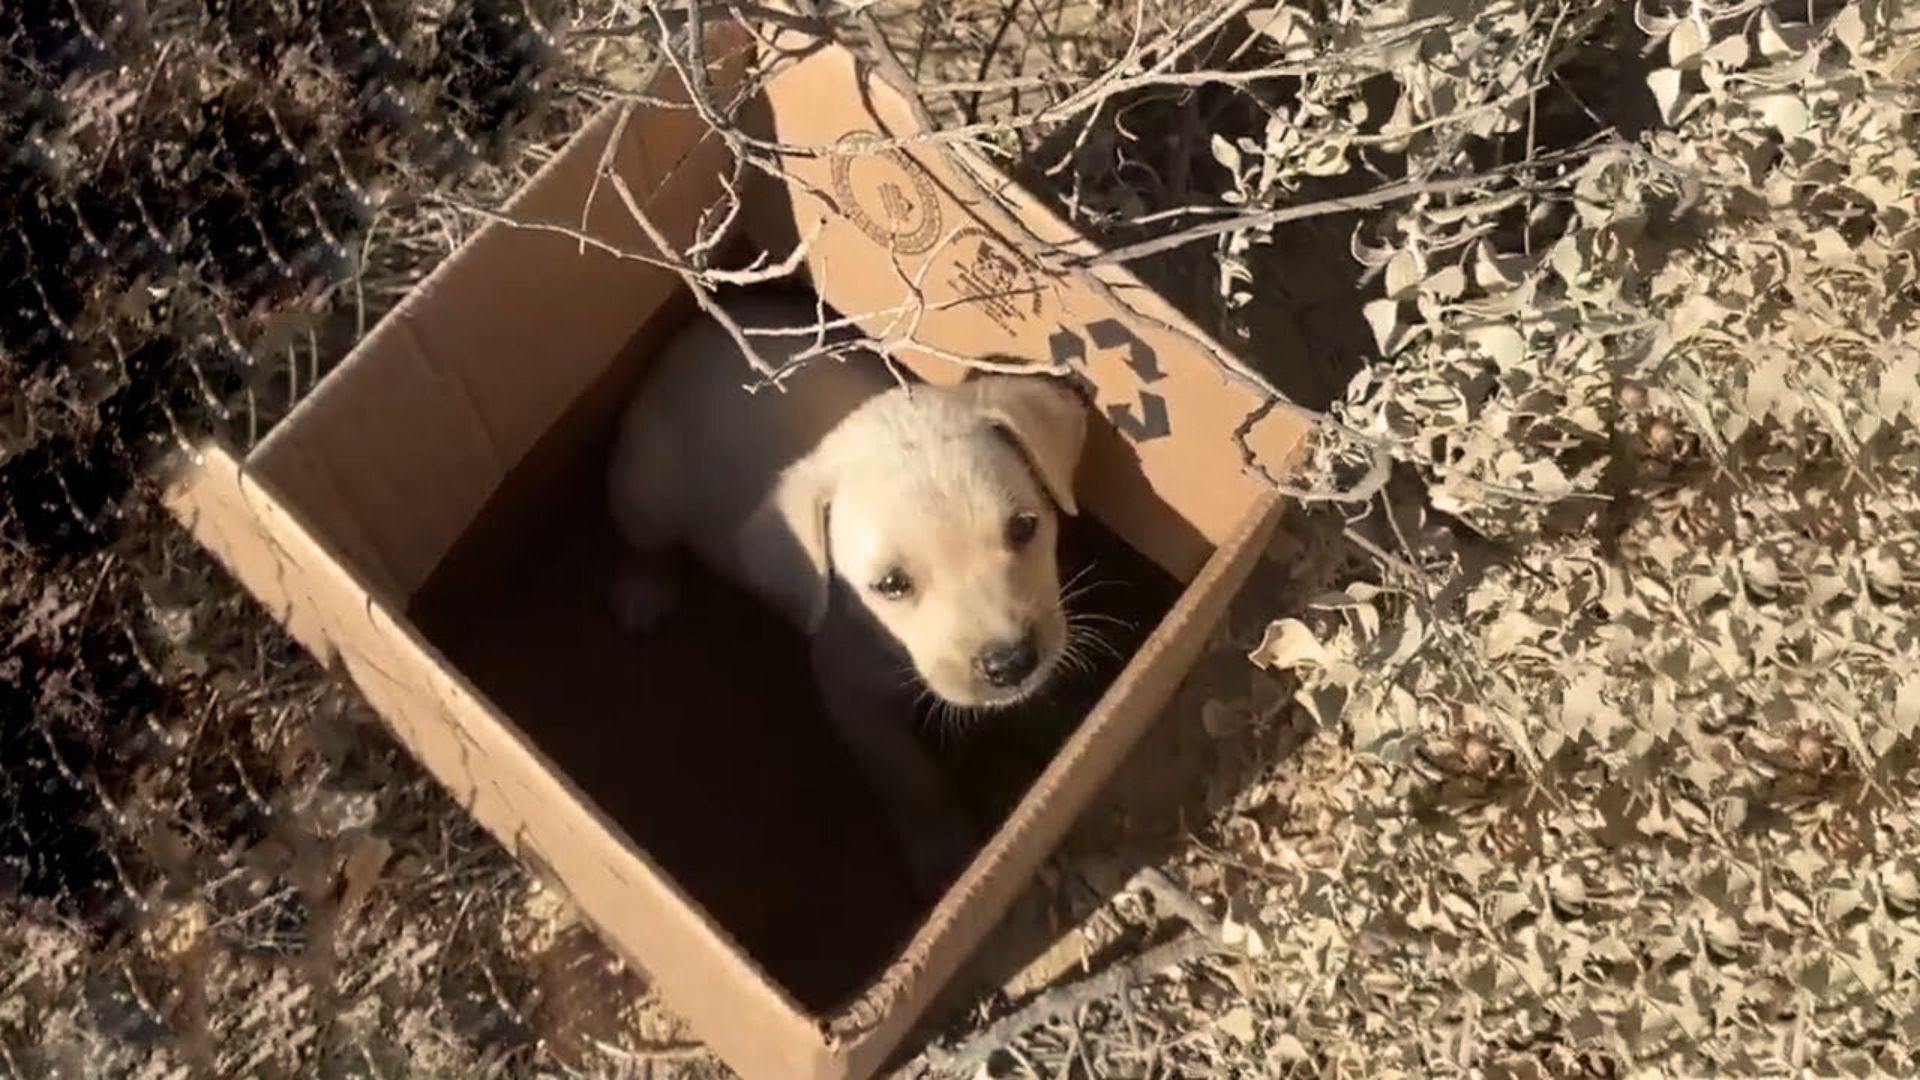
column 706, row 743
column 703, row 746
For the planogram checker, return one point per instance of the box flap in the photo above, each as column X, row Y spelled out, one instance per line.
column 1192, row 439
column 396, row 450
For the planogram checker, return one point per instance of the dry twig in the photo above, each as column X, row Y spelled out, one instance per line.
column 1067, row 1000
column 1174, row 900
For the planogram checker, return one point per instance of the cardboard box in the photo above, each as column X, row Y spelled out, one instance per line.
column 428, row 521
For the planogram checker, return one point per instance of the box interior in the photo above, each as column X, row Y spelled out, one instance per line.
column 428, row 519
column 704, row 741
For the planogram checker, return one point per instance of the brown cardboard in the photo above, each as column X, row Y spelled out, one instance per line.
column 429, row 480
column 1147, row 363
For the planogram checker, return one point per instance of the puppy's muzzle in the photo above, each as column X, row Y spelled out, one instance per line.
column 1008, row 664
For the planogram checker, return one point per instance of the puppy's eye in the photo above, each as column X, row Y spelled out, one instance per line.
column 1021, row 529
column 895, row 585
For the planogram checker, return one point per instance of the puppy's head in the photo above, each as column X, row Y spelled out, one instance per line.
column 939, row 509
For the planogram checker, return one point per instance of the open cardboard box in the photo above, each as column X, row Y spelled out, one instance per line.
column 429, row 521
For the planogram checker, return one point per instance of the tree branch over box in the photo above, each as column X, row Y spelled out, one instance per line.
column 1138, row 71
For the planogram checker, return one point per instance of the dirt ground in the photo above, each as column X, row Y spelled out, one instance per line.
column 1581, row 744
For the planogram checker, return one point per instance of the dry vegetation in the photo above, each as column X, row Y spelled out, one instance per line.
column 1578, row 736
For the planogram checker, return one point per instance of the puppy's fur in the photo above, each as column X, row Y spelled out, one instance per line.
column 911, row 532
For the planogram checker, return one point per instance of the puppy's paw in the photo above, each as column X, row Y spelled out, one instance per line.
column 641, row 598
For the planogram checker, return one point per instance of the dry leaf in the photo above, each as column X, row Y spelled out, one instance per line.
column 1238, row 1024
column 1288, row 643
column 1665, row 84
column 1685, row 44
column 1227, row 154
column 1785, row 113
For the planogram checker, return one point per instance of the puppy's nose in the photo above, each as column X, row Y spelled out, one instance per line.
column 1008, row 663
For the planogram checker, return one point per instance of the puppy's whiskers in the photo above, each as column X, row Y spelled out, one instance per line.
column 906, row 677
column 1088, row 632
column 1101, row 617
column 948, row 720
column 1079, row 575
column 1078, row 587
column 1072, row 657
column 920, row 699
column 1086, row 645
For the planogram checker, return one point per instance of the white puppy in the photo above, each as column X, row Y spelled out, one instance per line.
column 910, row 532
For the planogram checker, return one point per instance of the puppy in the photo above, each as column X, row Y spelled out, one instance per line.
column 909, row 531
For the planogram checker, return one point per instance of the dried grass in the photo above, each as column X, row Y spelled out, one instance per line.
column 1578, row 733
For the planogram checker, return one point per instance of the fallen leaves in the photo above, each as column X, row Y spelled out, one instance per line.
column 1713, row 672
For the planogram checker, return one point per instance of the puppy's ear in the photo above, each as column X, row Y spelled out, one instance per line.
column 783, row 546
column 1046, row 418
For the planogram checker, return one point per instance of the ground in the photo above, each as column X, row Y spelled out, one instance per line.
column 1567, row 730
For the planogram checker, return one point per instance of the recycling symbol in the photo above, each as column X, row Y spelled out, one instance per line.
column 1143, row 423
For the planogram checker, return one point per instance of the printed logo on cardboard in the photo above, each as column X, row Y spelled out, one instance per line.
column 1145, row 420
column 890, row 198
column 996, row 280
column 886, row 194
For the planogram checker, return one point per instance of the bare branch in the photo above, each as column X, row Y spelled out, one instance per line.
column 1176, row 901
column 1067, row 1000
column 1266, row 219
